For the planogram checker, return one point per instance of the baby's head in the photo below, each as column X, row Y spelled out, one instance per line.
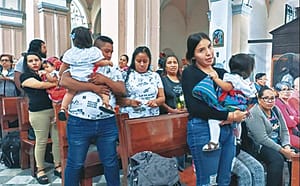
column 82, row 37
column 51, row 64
column 242, row 64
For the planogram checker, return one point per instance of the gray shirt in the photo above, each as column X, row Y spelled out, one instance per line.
column 260, row 128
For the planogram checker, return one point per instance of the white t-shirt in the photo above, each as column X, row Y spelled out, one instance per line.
column 240, row 84
column 82, row 61
column 86, row 104
column 142, row 87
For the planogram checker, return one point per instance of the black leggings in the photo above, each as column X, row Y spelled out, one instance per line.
column 274, row 161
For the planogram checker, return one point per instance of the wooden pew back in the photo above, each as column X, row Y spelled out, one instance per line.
column 164, row 134
column 8, row 113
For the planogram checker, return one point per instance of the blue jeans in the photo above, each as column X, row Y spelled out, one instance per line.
column 214, row 166
column 248, row 170
column 80, row 133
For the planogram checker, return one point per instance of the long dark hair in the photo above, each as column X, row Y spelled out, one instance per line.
column 140, row 49
column 164, row 73
column 25, row 65
column 262, row 90
column 192, row 41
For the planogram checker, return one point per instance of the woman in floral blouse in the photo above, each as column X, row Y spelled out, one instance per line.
column 144, row 87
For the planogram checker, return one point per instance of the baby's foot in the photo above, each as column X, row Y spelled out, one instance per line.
column 211, row 146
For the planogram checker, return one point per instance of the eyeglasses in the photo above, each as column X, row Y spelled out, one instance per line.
column 285, row 89
column 268, row 99
column 2, row 60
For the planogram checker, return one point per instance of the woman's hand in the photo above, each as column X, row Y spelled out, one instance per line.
column 213, row 75
column 176, row 111
column 152, row 103
column 287, row 152
column 236, row 116
column 134, row 103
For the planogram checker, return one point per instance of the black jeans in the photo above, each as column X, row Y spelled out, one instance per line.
column 274, row 161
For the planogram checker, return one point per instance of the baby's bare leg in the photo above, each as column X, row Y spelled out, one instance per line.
column 105, row 99
column 67, row 99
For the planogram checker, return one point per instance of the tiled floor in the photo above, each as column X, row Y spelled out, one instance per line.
column 18, row 177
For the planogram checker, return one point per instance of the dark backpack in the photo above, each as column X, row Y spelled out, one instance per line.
column 148, row 169
column 11, row 150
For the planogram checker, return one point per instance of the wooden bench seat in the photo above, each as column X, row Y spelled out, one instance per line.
column 27, row 159
column 164, row 134
column 8, row 114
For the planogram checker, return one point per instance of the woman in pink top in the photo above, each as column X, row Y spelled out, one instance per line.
column 289, row 114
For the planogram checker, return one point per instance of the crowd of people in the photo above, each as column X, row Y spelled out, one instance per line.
column 89, row 87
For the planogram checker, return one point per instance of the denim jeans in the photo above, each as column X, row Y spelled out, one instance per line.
column 80, row 133
column 212, row 167
column 248, row 170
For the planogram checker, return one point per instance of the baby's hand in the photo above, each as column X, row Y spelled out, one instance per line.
column 213, row 75
column 110, row 63
column 42, row 72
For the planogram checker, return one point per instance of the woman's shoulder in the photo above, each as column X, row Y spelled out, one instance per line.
column 27, row 75
column 255, row 110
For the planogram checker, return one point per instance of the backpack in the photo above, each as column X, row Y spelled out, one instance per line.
column 148, row 169
column 247, row 143
column 11, row 150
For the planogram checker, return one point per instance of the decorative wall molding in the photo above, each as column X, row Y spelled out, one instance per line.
column 12, row 17
column 241, row 9
column 49, row 6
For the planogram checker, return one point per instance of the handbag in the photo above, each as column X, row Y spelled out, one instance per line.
column 147, row 168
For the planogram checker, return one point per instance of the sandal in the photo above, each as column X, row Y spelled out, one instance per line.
column 107, row 108
column 57, row 172
column 43, row 179
column 62, row 115
column 211, row 146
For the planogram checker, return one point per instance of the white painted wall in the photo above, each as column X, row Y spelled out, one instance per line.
column 221, row 19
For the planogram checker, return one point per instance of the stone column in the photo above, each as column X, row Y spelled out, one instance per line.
column 110, row 24
column 53, row 26
column 147, row 26
column 240, row 27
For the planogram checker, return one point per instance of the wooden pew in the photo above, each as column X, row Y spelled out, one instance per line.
column 295, row 180
column 92, row 166
column 164, row 134
column 27, row 146
column 8, row 113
